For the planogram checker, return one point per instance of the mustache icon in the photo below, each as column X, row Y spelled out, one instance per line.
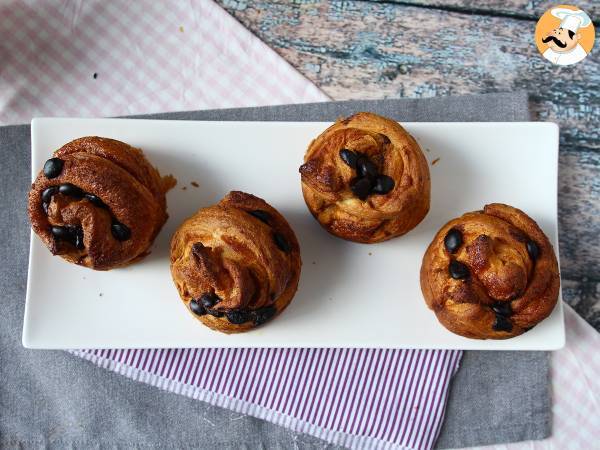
column 555, row 40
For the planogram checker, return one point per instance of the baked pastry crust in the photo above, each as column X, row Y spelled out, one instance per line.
column 490, row 274
column 107, row 184
column 327, row 179
column 236, row 264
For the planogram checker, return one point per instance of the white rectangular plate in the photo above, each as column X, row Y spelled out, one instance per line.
column 350, row 295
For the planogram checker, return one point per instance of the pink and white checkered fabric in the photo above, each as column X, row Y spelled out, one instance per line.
column 111, row 58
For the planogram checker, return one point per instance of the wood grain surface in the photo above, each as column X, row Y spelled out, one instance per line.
column 426, row 48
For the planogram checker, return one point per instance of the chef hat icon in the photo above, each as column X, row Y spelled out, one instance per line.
column 571, row 19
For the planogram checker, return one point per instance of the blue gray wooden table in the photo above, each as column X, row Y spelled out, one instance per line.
column 424, row 48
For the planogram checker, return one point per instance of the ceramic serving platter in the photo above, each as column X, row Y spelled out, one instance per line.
column 350, row 295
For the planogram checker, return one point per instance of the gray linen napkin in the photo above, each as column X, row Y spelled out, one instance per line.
column 51, row 399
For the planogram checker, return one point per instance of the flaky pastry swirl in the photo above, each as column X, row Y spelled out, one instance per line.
column 365, row 179
column 236, row 264
column 490, row 274
column 98, row 203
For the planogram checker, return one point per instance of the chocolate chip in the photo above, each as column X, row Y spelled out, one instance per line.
column 349, row 157
column 458, row 270
column 361, row 187
column 238, row 316
column 366, row 168
column 383, row 185
column 53, row 167
column 502, row 308
column 48, row 193
column 453, row 240
column 209, row 299
column 502, row 323
column 95, row 200
column 281, row 242
column 263, row 315
column 62, row 233
column 533, row 250
column 71, row 190
column 263, row 216
column 214, row 312
column 197, row 308
column 120, row 231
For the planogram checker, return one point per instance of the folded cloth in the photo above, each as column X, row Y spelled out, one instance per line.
column 575, row 392
column 58, row 400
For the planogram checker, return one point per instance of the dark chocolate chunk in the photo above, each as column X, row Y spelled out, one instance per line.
column 197, row 308
column 349, row 157
column 281, row 242
column 214, row 312
column 209, row 299
column 458, row 270
column 366, row 168
column 62, row 233
column 361, row 187
column 263, row 216
column 263, row 315
column 48, row 193
column 502, row 308
column 502, row 323
column 383, row 185
column 533, row 250
column 95, row 200
column 238, row 316
column 120, row 231
column 53, row 167
column 71, row 190
column 453, row 240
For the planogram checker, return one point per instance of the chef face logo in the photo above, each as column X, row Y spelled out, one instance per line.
column 564, row 35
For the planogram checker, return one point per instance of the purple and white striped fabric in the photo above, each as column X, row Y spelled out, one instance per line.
column 360, row 398
column 149, row 56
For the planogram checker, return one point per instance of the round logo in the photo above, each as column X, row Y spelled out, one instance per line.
column 564, row 35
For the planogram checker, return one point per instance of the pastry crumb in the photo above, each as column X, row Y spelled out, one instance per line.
column 181, row 29
column 184, row 188
column 168, row 182
column 435, row 161
column 195, row 184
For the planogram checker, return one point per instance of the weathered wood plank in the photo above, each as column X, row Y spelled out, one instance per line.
column 370, row 50
column 584, row 296
column 525, row 9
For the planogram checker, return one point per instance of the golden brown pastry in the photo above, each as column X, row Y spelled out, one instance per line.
column 365, row 179
column 490, row 274
column 98, row 203
column 235, row 264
